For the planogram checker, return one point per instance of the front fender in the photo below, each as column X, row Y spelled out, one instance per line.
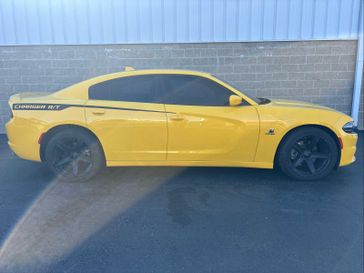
column 284, row 121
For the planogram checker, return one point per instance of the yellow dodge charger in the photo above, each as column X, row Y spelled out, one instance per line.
column 175, row 118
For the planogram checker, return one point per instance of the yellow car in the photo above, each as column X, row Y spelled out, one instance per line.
column 175, row 118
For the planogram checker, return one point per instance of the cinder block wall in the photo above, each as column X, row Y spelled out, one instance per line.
column 319, row 71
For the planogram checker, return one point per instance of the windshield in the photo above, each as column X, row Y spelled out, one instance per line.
column 255, row 99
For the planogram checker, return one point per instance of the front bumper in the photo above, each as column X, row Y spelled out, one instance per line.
column 349, row 148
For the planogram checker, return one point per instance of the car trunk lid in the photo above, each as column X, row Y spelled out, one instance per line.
column 21, row 97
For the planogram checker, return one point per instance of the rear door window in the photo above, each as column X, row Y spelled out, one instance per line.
column 139, row 88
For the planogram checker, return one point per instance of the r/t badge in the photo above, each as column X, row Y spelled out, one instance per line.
column 270, row 132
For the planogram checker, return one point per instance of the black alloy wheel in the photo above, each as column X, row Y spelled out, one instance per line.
column 308, row 153
column 74, row 155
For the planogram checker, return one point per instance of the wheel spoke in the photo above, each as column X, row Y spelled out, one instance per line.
column 310, row 165
column 63, row 161
column 298, row 148
column 75, row 167
column 298, row 161
column 320, row 156
column 76, row 145
column 84, row 159
column 314, row 141
column 60, row 145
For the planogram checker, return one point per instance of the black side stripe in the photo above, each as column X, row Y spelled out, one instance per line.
column 122, row 108
column 59, row 107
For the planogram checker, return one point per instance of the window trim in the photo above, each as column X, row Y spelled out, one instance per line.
column 158, row 83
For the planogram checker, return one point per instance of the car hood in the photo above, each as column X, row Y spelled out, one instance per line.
column 299, row 104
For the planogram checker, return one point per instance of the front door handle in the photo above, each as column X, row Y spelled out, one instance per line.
column 98, row 112
column 177, row 117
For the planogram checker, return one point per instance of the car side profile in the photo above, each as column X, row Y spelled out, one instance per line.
column 175, row 118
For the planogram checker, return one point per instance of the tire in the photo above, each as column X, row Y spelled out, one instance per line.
column 74, row 155
column 308, row 153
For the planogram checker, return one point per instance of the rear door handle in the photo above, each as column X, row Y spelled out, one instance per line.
column 177, row 117
column 98, row 112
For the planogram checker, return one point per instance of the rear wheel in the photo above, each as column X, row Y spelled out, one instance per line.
column 74, row 155
column 308, row 153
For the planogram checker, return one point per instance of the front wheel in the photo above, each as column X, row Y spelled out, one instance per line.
column 74, row 155
column 308, row 153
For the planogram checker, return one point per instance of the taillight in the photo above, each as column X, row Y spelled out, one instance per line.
column 11, row 112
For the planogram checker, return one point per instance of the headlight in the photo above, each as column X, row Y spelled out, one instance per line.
column 350, row 127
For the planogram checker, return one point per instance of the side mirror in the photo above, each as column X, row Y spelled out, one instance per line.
column 235, row 100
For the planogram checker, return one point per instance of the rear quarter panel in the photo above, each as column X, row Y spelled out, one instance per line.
column 27, row 126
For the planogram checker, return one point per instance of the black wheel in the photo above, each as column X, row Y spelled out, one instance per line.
column 74, row 155
column 308, row 153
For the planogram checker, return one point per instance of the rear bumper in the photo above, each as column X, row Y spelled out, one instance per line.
column 349, row 149
column 23, row 138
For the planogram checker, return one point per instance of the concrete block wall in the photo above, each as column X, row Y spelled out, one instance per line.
column 315, row 71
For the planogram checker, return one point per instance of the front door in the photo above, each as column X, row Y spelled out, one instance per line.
column 201, row 124
column 128, row 123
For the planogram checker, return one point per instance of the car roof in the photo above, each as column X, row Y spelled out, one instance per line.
column 78, row 91
column 70, row 91
column 153, row 71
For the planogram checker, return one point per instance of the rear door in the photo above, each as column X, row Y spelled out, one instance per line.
column 201, row 124
column 123, row 114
